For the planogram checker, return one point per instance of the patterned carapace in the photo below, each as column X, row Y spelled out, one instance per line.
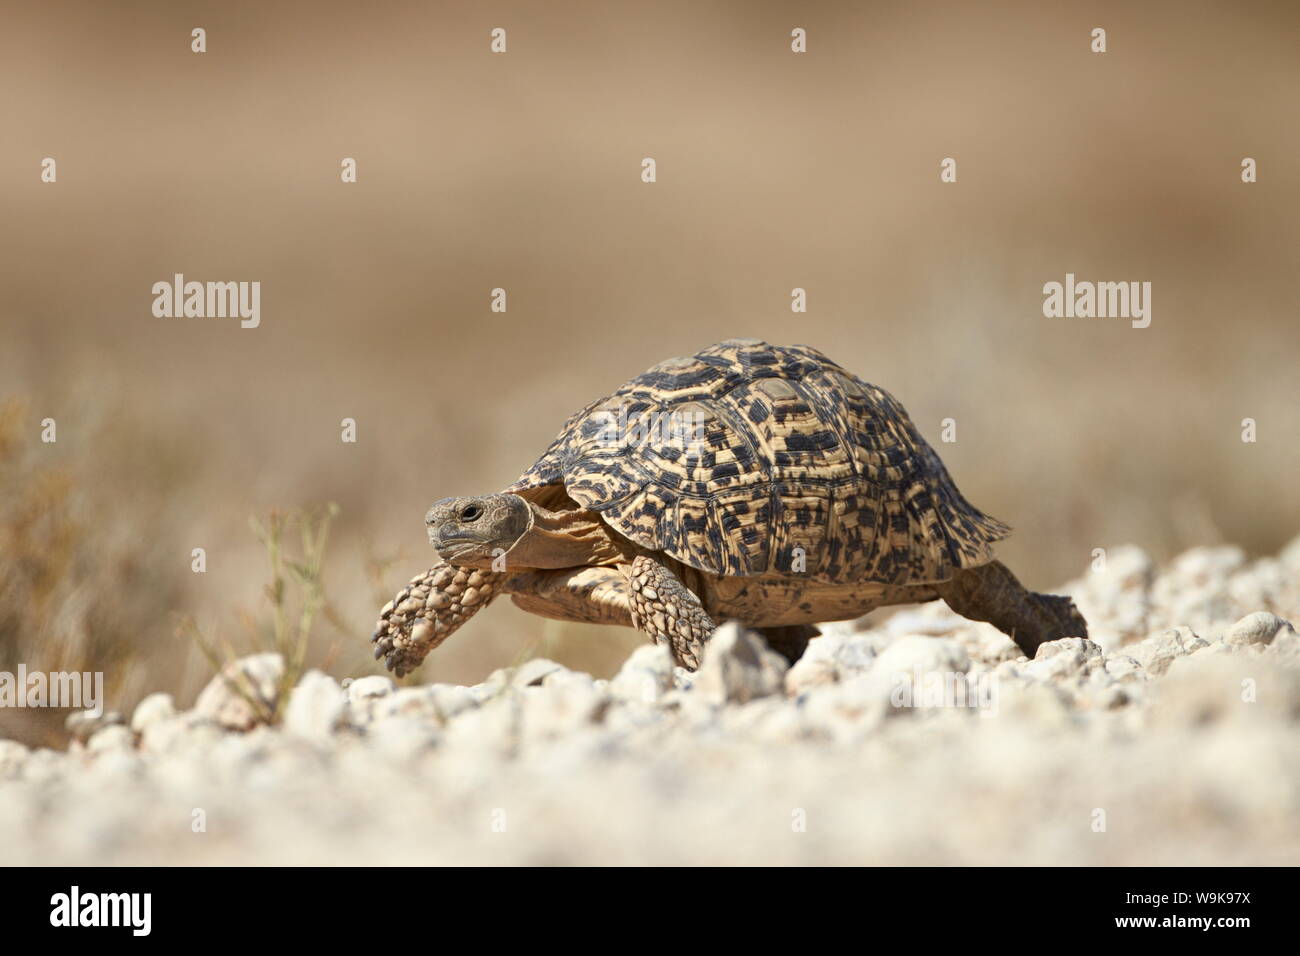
column 791, row 451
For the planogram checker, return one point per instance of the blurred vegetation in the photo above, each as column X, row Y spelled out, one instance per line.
column 86, row 580
column 296, row 594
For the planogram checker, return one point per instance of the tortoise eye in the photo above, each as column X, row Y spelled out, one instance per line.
column 470, row 513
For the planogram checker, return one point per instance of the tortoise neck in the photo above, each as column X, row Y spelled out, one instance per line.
column 564, row 539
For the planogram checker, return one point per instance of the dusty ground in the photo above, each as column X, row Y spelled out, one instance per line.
column 1171, row 738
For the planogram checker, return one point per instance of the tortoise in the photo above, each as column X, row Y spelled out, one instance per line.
column 748, row 482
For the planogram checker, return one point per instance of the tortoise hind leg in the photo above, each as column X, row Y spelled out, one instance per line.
column 991, row 593
column 667, row 611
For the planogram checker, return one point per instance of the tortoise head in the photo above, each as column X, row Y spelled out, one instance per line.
column 467, row 531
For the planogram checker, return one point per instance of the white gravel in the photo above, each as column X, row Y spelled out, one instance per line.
column 1170, row 738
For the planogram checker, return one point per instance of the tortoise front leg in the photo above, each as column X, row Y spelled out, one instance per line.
column 991, row 593
column 426, row 611
column 667, row 611
column 589, row 595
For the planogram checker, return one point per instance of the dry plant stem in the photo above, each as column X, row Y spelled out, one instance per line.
column 287, row 638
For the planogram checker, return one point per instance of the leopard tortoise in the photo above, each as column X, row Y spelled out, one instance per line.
column 749, row 482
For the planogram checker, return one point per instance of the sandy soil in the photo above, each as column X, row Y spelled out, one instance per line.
column 1170, row 738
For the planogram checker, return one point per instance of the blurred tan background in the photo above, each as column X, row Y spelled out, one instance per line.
column 522, row 171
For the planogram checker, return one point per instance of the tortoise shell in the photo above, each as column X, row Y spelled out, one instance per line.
column 735, row 458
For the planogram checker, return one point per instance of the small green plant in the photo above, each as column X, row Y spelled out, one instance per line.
column 296, row 592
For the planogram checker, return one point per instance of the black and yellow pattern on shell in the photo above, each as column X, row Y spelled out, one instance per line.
column 791, row 452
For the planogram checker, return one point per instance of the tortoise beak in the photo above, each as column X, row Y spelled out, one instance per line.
column 440, row 539
column 441, row 535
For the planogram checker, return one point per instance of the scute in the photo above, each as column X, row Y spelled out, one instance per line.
column 749, row 458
